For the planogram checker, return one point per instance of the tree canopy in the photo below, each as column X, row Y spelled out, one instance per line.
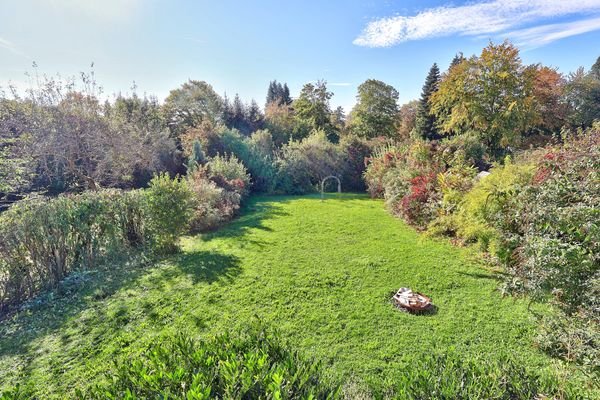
column 190, row 105
column 375, row 111
column 489, row 96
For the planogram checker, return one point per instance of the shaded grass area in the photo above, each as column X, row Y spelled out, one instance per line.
column 321, row 273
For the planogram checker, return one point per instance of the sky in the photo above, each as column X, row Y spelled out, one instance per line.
column 239, row 46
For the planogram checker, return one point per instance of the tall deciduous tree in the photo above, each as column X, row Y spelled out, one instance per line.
column 550, row 106
column 190, row 105
column 488, row 96
column 426, row 121
column 312, row 108
column 407, row 118
column 583, row 97
column 375, row 111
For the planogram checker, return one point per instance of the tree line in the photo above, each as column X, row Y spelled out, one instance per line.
column 60, row 135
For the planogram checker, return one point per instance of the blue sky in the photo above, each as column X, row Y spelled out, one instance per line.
column 239, row 46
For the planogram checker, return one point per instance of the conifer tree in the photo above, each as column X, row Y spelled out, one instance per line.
column 458, row 58
column 426, row 122
column 227, row 116
column 196, row 158
column 254, row 118
column 286, row 95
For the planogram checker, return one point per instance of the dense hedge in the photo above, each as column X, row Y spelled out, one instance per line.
column 42, row 241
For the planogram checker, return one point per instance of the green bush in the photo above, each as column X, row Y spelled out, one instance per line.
column 213, row 205
column 490, row 197
column 42, row 241
column 551, row 235
column 248, row 365
column 229, row 173
column 301, row 166
column 169, row 208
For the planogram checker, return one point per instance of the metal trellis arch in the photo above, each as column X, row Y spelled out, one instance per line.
column 339, row 185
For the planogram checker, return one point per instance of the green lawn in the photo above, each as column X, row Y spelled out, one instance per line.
column 321, row 273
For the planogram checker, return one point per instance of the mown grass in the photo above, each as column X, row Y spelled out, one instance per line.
column 320, row 273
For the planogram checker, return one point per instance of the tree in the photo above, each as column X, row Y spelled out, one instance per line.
column 407, row 117
column 595, row 70
column 376, row 110
column 458, row 58
column 239, row 121
column 227, row 113
column 338, row 119
column 280, row 120
column 582, row 93
column 489, row 96
column 548, row 90
column 426, row 122
column 254, row 117
column 190, row 105
column 278, row 93
column 312, row 108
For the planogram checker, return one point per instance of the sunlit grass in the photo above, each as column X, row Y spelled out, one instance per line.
column 321, row 273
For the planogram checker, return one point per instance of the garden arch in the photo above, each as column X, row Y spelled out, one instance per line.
column 339, row 185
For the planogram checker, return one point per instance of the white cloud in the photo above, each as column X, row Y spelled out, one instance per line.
column 544, row 34
column 472, row 19
column 8, row 45
column 340, row 84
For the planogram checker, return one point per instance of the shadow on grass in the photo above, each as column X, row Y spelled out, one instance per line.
column 63, row 317
column 496, row 276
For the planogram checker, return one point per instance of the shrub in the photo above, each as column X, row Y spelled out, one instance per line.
column 260, row 161
column 212, row 205
column 229, row 173
column 476, row 219
column 453, row 184
column 42, row 241
column 418, row 207
column 355, row 151
column 301, row 166
column 551, row 235
column 169, row 207
column 250, row 365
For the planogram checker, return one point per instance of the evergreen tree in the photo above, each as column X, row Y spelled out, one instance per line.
column 595, row 70
column 255, row 119
column 458, row 58
column 272, row 92
column 196, row 158
column 426, row 122
column 278, row 94
column 227, row 116
column 239, row 115
column 286, row 94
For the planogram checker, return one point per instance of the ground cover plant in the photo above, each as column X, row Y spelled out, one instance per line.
column 319, row 273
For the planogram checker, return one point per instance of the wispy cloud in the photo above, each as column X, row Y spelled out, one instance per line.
column 544, row 34
column 490, row 17
column 340, row 84
column 8, row 45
